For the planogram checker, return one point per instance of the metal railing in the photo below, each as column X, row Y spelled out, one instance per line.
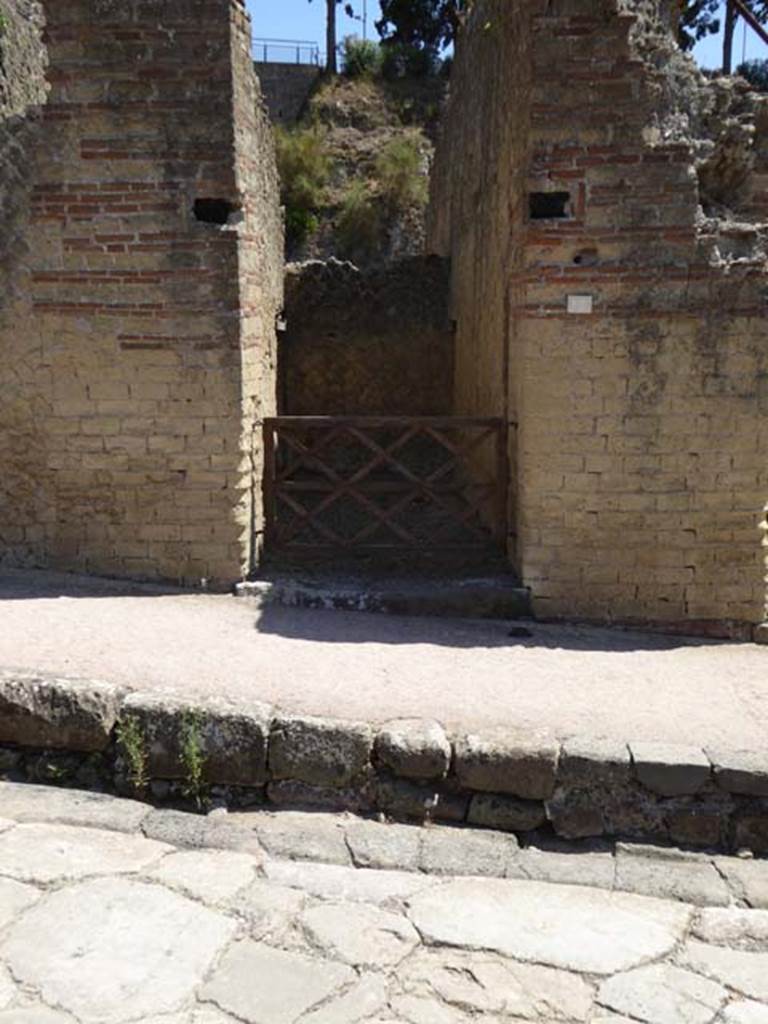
column 286, row 51
column 384, row 483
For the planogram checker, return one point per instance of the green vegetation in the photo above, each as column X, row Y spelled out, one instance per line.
column 421, row 25
column 401, row 60
column 354, row 173
column 756, row 73
column 304, row 166
column 400, row 172
column 133, row 746
column 358, row 228
column 192, row 757
column 362, row 58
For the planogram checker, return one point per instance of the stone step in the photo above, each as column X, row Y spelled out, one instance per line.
column 481, row 597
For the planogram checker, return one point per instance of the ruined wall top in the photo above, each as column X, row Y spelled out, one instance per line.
column 22, row 57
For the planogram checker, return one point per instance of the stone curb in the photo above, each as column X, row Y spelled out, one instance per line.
column 506, row 779
column 343, row 851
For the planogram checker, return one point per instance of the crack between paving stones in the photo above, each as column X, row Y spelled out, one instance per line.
column 227, row 1013
column 36, row 992
column 735, row 890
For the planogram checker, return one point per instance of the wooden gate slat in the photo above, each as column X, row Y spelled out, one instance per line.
column 301, row 446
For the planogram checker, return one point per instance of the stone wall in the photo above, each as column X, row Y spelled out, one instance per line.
column 287, row 88
column 641, row 454
column 138, row 346
column 372, row 343
column 22, row 90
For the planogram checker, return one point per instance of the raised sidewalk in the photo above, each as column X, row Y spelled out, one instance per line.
column 587, row 732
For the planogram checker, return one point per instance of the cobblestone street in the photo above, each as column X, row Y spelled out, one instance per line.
column 111, row 911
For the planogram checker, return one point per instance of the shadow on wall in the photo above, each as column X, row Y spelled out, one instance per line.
column 327, row 627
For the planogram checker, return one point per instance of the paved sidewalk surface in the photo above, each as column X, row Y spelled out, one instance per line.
column 111, row 912
column 572, row 680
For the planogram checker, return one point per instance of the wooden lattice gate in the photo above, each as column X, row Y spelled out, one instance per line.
column 385, row 483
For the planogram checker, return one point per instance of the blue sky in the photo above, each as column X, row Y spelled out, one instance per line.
column 709, row 52
column 300, row 19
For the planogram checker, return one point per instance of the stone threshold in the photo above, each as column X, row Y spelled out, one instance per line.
column 237, row 754
column 478, row 597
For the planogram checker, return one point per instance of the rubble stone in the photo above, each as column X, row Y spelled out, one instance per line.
column 504, row 761
column 593, row 773
column 320, row 751
column 670, row 770
column 233, row 736
column 740, row 771
column 508, row 813
column 414, row 749
column 68, row 714
column 420, row 802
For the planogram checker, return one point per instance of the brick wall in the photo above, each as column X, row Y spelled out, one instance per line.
column 641, row 454
column 138, row 348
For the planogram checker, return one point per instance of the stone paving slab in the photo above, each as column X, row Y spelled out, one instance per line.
column 118, row 929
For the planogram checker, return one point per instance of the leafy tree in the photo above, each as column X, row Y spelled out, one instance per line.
column 432, row 24
column 699, row 19
column 756, row 73
column 427, row 25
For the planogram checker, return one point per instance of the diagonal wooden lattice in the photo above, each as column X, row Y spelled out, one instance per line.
column 449, row 473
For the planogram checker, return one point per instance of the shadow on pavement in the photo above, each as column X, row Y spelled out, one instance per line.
column 29, row 584
column 329, row 626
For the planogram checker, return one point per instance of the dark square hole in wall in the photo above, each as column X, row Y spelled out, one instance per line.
column 213, row 211
column 550, row 205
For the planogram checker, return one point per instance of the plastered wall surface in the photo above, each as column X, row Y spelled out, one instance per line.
column 137, row 340
column 640, row 458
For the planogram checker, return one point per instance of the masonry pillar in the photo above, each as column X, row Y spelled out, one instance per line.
column 138, row 341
